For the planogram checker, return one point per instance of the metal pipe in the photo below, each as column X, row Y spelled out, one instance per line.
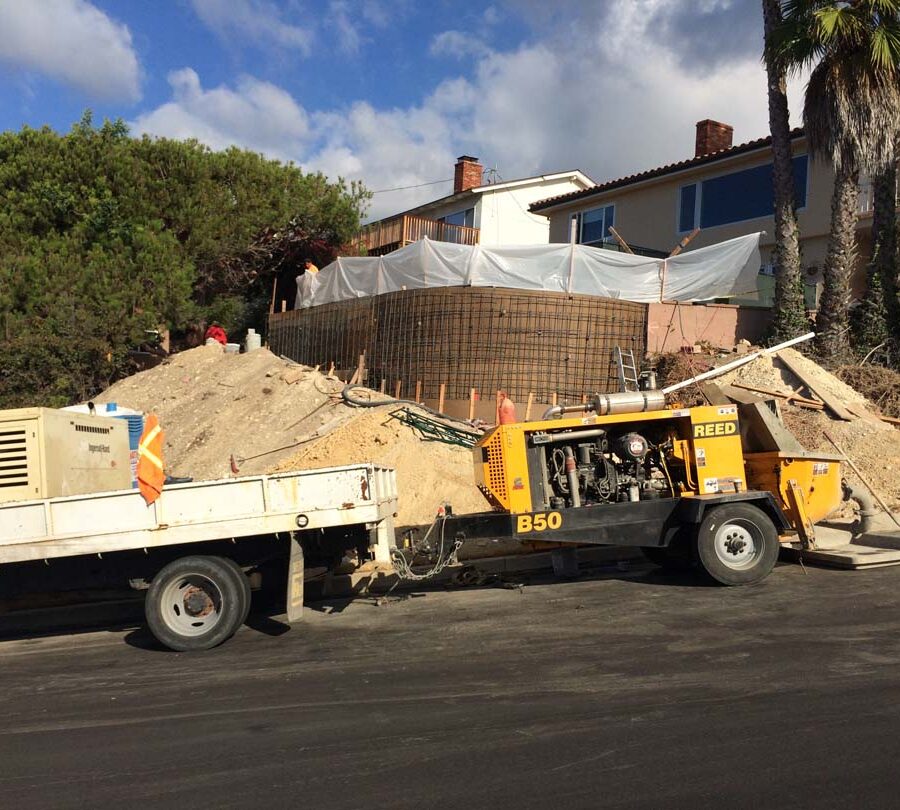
column 559, row 410
column 747, row 358
column 619, row 402
column 572, row 475
column 867, row 509
column 556, row 438
column 628, row 402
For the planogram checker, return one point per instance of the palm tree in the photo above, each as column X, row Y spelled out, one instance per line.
column 789, row 315
column 850, row 115
column 876, row 320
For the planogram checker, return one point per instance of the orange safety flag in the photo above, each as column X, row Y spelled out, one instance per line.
column 150, row 473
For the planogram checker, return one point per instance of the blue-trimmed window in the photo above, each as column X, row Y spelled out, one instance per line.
column 466, row 218
column 736, row 197
column 594, row 225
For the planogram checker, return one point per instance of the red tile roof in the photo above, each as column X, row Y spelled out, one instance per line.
column 722, row 154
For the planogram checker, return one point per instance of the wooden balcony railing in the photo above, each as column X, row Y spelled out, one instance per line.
column 390, row 234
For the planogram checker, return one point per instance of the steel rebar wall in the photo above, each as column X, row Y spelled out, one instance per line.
column 523, row 342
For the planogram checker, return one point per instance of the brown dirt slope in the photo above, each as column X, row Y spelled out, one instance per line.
column 214, row 405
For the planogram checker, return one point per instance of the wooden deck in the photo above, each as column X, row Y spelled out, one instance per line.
column 389, row 234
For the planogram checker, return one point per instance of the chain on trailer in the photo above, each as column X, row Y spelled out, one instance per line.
column 444, row 553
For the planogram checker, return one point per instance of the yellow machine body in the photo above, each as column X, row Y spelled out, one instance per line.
column 817, row 475
column 705, row 439
column 704, row 444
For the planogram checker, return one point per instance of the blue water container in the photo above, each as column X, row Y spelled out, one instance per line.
column 135, row 430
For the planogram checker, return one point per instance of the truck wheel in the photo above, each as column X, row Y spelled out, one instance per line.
column 246, row 595
column 196, row 603
column 737, row 544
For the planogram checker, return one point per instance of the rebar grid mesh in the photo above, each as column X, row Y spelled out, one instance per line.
column 523, row 342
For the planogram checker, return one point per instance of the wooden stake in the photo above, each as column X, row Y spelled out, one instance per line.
column 283, row 305
column 418, row 390
column 383, row 388
column 528, row 407
column 683, row 243
column 859, row 475
column 471, row 403
column 397, row 388
column 622, row 243
column 274, row 288
column 441, row 392
column 553, row 398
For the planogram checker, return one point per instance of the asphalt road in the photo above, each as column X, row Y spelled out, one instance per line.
column 622, row 689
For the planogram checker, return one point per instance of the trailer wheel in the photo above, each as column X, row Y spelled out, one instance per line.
column 196, row 603
column 678, row 556
column 737, row 544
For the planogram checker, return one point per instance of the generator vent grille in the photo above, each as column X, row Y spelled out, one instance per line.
column 13, row 457
column 92, row 429
column 496, row 474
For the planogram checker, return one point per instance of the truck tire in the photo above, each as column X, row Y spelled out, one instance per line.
column 246, row 594
column 737, row 544
column 196, row 603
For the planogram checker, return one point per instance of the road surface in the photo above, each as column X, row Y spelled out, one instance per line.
column 626, row 688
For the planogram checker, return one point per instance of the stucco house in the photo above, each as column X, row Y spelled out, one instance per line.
column 476, row 212
column 725, row 191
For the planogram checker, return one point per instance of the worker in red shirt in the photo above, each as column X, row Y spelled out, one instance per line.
column 217, row 333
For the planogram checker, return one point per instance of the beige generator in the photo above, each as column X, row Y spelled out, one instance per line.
column 45, row 453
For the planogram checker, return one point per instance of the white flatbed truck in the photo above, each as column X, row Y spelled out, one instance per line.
column 194, row 547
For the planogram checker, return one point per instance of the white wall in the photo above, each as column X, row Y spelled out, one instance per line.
column 504, row 218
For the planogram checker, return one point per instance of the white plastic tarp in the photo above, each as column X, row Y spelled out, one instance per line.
column 718, row 271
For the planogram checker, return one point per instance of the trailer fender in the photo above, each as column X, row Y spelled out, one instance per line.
column 693, row 510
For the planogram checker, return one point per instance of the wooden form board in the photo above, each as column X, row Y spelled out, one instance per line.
column 831, row 403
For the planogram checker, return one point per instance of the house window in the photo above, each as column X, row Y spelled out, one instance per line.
column 465, row 218
column 735, row 197
column 594, row 225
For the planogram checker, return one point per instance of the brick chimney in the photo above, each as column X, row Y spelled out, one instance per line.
column 468, row 173
column 712, row 136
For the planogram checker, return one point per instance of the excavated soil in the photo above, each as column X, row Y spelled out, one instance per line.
column 215, row 407
column 874, row 446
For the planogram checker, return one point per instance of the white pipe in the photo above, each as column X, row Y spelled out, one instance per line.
column 737, row 363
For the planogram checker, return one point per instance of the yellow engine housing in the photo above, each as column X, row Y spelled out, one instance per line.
column 708, row 441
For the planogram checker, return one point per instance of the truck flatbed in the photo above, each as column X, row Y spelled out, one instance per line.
column 194, row 512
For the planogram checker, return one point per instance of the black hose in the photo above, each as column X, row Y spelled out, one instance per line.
column 367, row 403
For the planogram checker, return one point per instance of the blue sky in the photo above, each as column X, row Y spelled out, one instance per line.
column 391, row 91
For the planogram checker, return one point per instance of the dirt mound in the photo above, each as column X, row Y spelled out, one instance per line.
column 428, row 472
column 874, row 446
column 274, row 416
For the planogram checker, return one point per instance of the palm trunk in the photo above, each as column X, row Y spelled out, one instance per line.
column 871, row 317
column 884, row 246
column 789, row 315
column 833, row 320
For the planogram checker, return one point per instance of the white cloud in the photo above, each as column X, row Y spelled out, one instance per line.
column 255, row 114
column 610, row 96
column 257, row 21
column 458, row 44
column 340, row 19
column 73, row 42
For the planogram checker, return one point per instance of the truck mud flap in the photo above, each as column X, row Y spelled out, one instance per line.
column 295, row 580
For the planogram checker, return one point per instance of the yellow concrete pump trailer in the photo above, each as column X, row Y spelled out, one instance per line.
column 627, row 471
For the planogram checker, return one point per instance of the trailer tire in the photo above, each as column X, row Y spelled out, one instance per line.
column 737, row 544
column 677, row 557
column 196, row 603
